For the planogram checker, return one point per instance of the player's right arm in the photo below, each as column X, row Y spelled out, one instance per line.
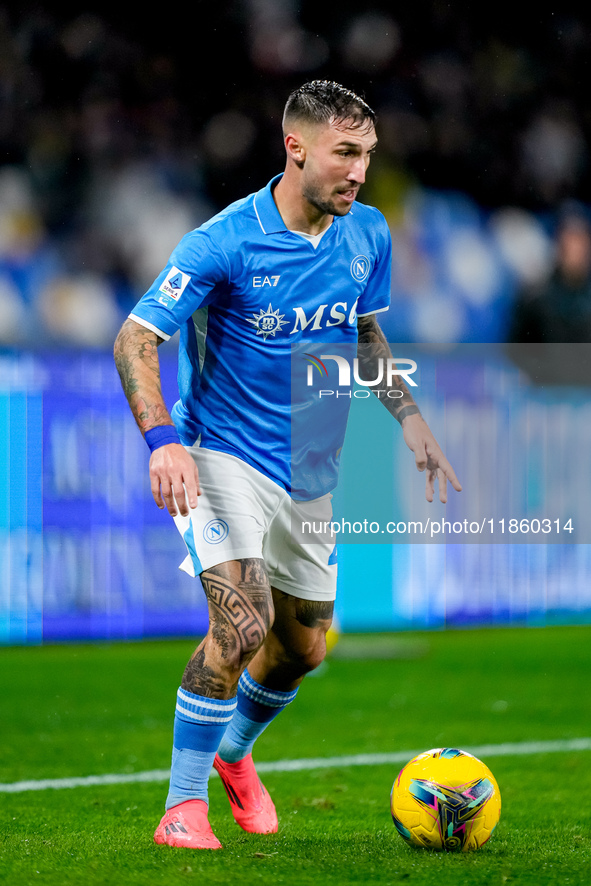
column 173, row 474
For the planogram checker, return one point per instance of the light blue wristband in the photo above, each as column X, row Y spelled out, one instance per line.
column 160, row 436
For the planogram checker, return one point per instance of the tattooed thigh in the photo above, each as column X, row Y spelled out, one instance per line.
column 314, row 613
column 240, row 606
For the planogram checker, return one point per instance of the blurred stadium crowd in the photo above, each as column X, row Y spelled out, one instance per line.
column 118, row 133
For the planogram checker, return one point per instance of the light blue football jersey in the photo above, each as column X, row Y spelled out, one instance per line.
column 253, row 300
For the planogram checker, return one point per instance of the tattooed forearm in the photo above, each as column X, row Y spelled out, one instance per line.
column 136, row 358
column 373, row 347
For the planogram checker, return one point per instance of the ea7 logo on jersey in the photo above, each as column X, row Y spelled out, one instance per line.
column 272, row 280
column 173, row 287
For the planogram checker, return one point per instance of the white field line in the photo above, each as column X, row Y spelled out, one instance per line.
column 525, row 748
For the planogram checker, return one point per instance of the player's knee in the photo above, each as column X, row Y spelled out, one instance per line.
column 308, row 657
column 249, row 642
column 239, row 640
column 313, row 660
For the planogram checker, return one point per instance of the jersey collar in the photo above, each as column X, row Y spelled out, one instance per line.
column 266, row 211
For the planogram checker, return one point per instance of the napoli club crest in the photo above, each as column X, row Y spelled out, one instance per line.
column 360, row 268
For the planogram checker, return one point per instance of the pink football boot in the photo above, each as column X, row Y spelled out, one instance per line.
column 186, row 826
column 252, row 807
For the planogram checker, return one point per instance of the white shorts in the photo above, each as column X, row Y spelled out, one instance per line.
column 242, row 514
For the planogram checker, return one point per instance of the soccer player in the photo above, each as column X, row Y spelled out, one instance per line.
column 298, row 262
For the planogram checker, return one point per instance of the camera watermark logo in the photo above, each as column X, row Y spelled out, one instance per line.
column 386, row 371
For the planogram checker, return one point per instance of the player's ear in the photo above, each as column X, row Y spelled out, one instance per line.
column 295, row 149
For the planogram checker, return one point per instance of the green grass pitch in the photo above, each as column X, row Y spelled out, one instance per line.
column 87, row 710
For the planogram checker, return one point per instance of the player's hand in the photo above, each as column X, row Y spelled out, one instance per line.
column 174, row 479
column 429, row 457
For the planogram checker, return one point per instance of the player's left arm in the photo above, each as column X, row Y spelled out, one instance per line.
column 417, row 435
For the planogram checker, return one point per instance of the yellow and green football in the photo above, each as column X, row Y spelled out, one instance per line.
column 445, row 799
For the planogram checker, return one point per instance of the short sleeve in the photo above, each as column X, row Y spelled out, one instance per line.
column 194, row 269
column 376, row 296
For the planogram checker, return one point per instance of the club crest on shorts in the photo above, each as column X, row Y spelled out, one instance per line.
column 215, row 531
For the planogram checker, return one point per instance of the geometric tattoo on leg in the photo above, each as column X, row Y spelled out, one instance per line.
column 240, row 616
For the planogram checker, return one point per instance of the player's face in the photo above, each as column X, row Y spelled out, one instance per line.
column 335, row 163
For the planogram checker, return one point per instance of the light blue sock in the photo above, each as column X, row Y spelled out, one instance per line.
column 199, row 725
column 257, row 706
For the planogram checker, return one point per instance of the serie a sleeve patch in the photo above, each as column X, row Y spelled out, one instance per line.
column 172, row 287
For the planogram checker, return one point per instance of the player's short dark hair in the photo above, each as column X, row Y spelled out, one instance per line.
column 324, row 101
